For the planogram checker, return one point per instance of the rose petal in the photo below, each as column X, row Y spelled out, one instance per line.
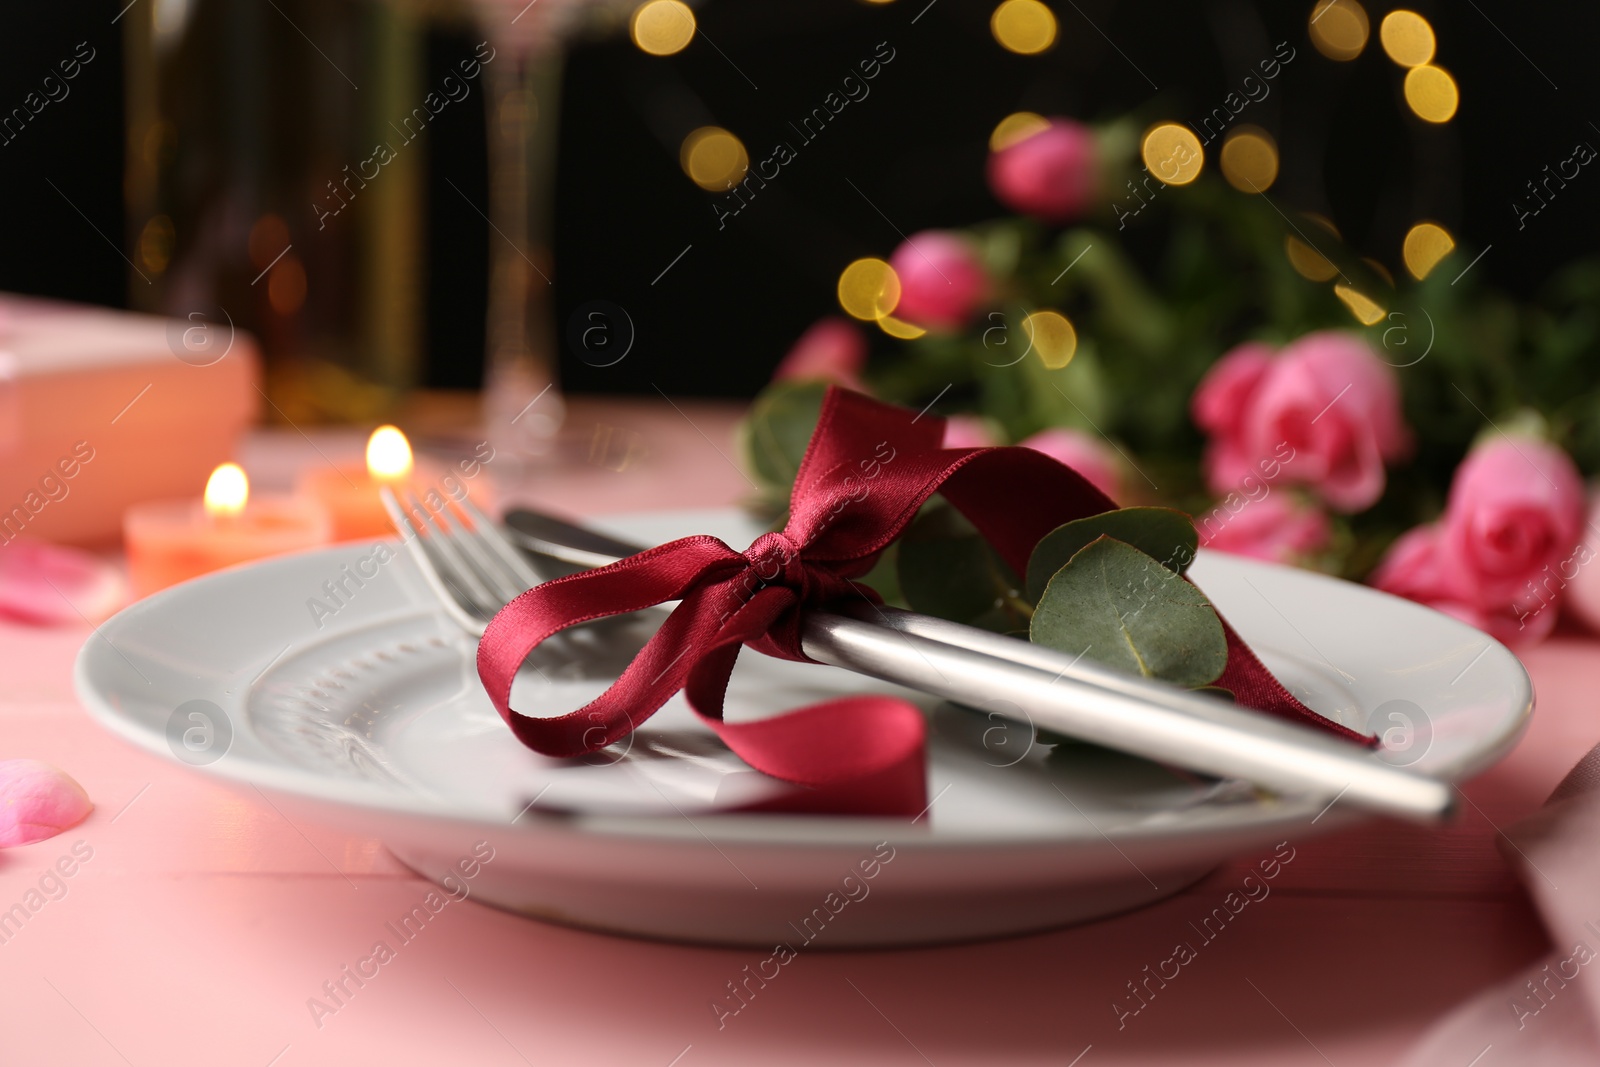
column 832, row 350
column 968, row 431
column 1083, row 453
column 38, row 801
column 50, row 584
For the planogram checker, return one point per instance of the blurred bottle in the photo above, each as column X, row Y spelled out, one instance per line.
column 277, row 182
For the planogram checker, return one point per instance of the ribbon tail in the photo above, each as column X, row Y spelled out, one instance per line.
column 860, row 755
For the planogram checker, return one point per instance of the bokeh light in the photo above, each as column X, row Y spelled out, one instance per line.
column 1366, row 310
column 1425, row 245
column 1407, row 38
column 1307, row 261
column 714, row 158
column 286, row 285
column 1432, row 93
column 1052, row 337
column 227, row 490
column 1250, row 159
column 869, row 289
column 1173, row 153
column 1025, row 27
column 1016, row 127
column 899, row 328
column 1339, row 28
column 155, row 243
column 662, row 27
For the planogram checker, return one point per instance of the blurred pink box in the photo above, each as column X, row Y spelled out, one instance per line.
column 101, row 409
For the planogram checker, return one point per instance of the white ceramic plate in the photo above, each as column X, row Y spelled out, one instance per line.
column 365, row 712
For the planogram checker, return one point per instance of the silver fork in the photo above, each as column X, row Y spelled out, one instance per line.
column 475, row 570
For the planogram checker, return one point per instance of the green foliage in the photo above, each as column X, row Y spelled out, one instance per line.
column 947, row 569
column 1113, row 604
column 773, row 436
column 1163, row 534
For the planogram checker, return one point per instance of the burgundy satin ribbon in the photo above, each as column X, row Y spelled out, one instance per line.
column 868, row 468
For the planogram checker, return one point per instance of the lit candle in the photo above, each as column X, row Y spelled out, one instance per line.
column 172, row 541
column 350, row 494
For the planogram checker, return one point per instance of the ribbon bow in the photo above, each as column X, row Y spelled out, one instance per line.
column 868, row 469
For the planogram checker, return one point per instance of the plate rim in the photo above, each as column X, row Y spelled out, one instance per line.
column 734, row 829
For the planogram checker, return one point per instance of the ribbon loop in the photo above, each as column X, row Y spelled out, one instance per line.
column 868, row 469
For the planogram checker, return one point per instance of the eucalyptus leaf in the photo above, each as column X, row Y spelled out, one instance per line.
column 774, row 434
column 947, row 570
column 1165, row 535
column 1117, row 606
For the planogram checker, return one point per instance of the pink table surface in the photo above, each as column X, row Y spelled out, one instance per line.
column 204, row 921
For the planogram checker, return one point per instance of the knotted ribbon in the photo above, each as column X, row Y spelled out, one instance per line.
column 868, row 469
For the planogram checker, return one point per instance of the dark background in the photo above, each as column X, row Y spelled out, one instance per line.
column 719, row 320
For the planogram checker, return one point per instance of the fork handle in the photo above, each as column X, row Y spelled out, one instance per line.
column 1195, row 732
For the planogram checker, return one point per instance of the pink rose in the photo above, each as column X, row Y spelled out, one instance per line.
column 38, row 801
column 830, row 350
column 1325, row 412
column 968, row 431
column 1514, row 517
column 1414, row 568
column 1506, row 547
column 1583, row 591
column 1052, row 175
column 941, row 280
column 1273, row 528
column 1083, row 453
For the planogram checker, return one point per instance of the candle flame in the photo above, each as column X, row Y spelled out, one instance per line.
column 227, row 490
column 388, row 454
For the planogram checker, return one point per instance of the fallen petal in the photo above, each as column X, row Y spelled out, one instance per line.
column 38, row 801
column 50, row 584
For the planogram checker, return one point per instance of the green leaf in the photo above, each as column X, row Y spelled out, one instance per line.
column 774, row 434
column 1117, row 606
column 948, row 570
column 1166, row 535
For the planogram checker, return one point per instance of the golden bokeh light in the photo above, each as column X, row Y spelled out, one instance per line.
column 1432, row 93
column 1025, row 27
column 1016, row 127
column 1380, row 270
column 389, row 456
column 227, row 490
column 1051, row 335
column 1173, row 153
column 1307, row 261
column 286, row 285
column 1425, row 245
column 1407, row 38
column 1250, row 159
column 714, row 158
column 155, row 243
column 1363, row 307
column 1339, row 28
column 899, row 328
column 662, row 27
column 869, row 289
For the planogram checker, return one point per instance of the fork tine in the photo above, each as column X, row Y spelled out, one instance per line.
column 442, row 542
column 500, row 545
column 452, row 599
column 504, row 584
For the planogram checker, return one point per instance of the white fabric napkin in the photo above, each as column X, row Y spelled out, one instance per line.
column 1547, row 1013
